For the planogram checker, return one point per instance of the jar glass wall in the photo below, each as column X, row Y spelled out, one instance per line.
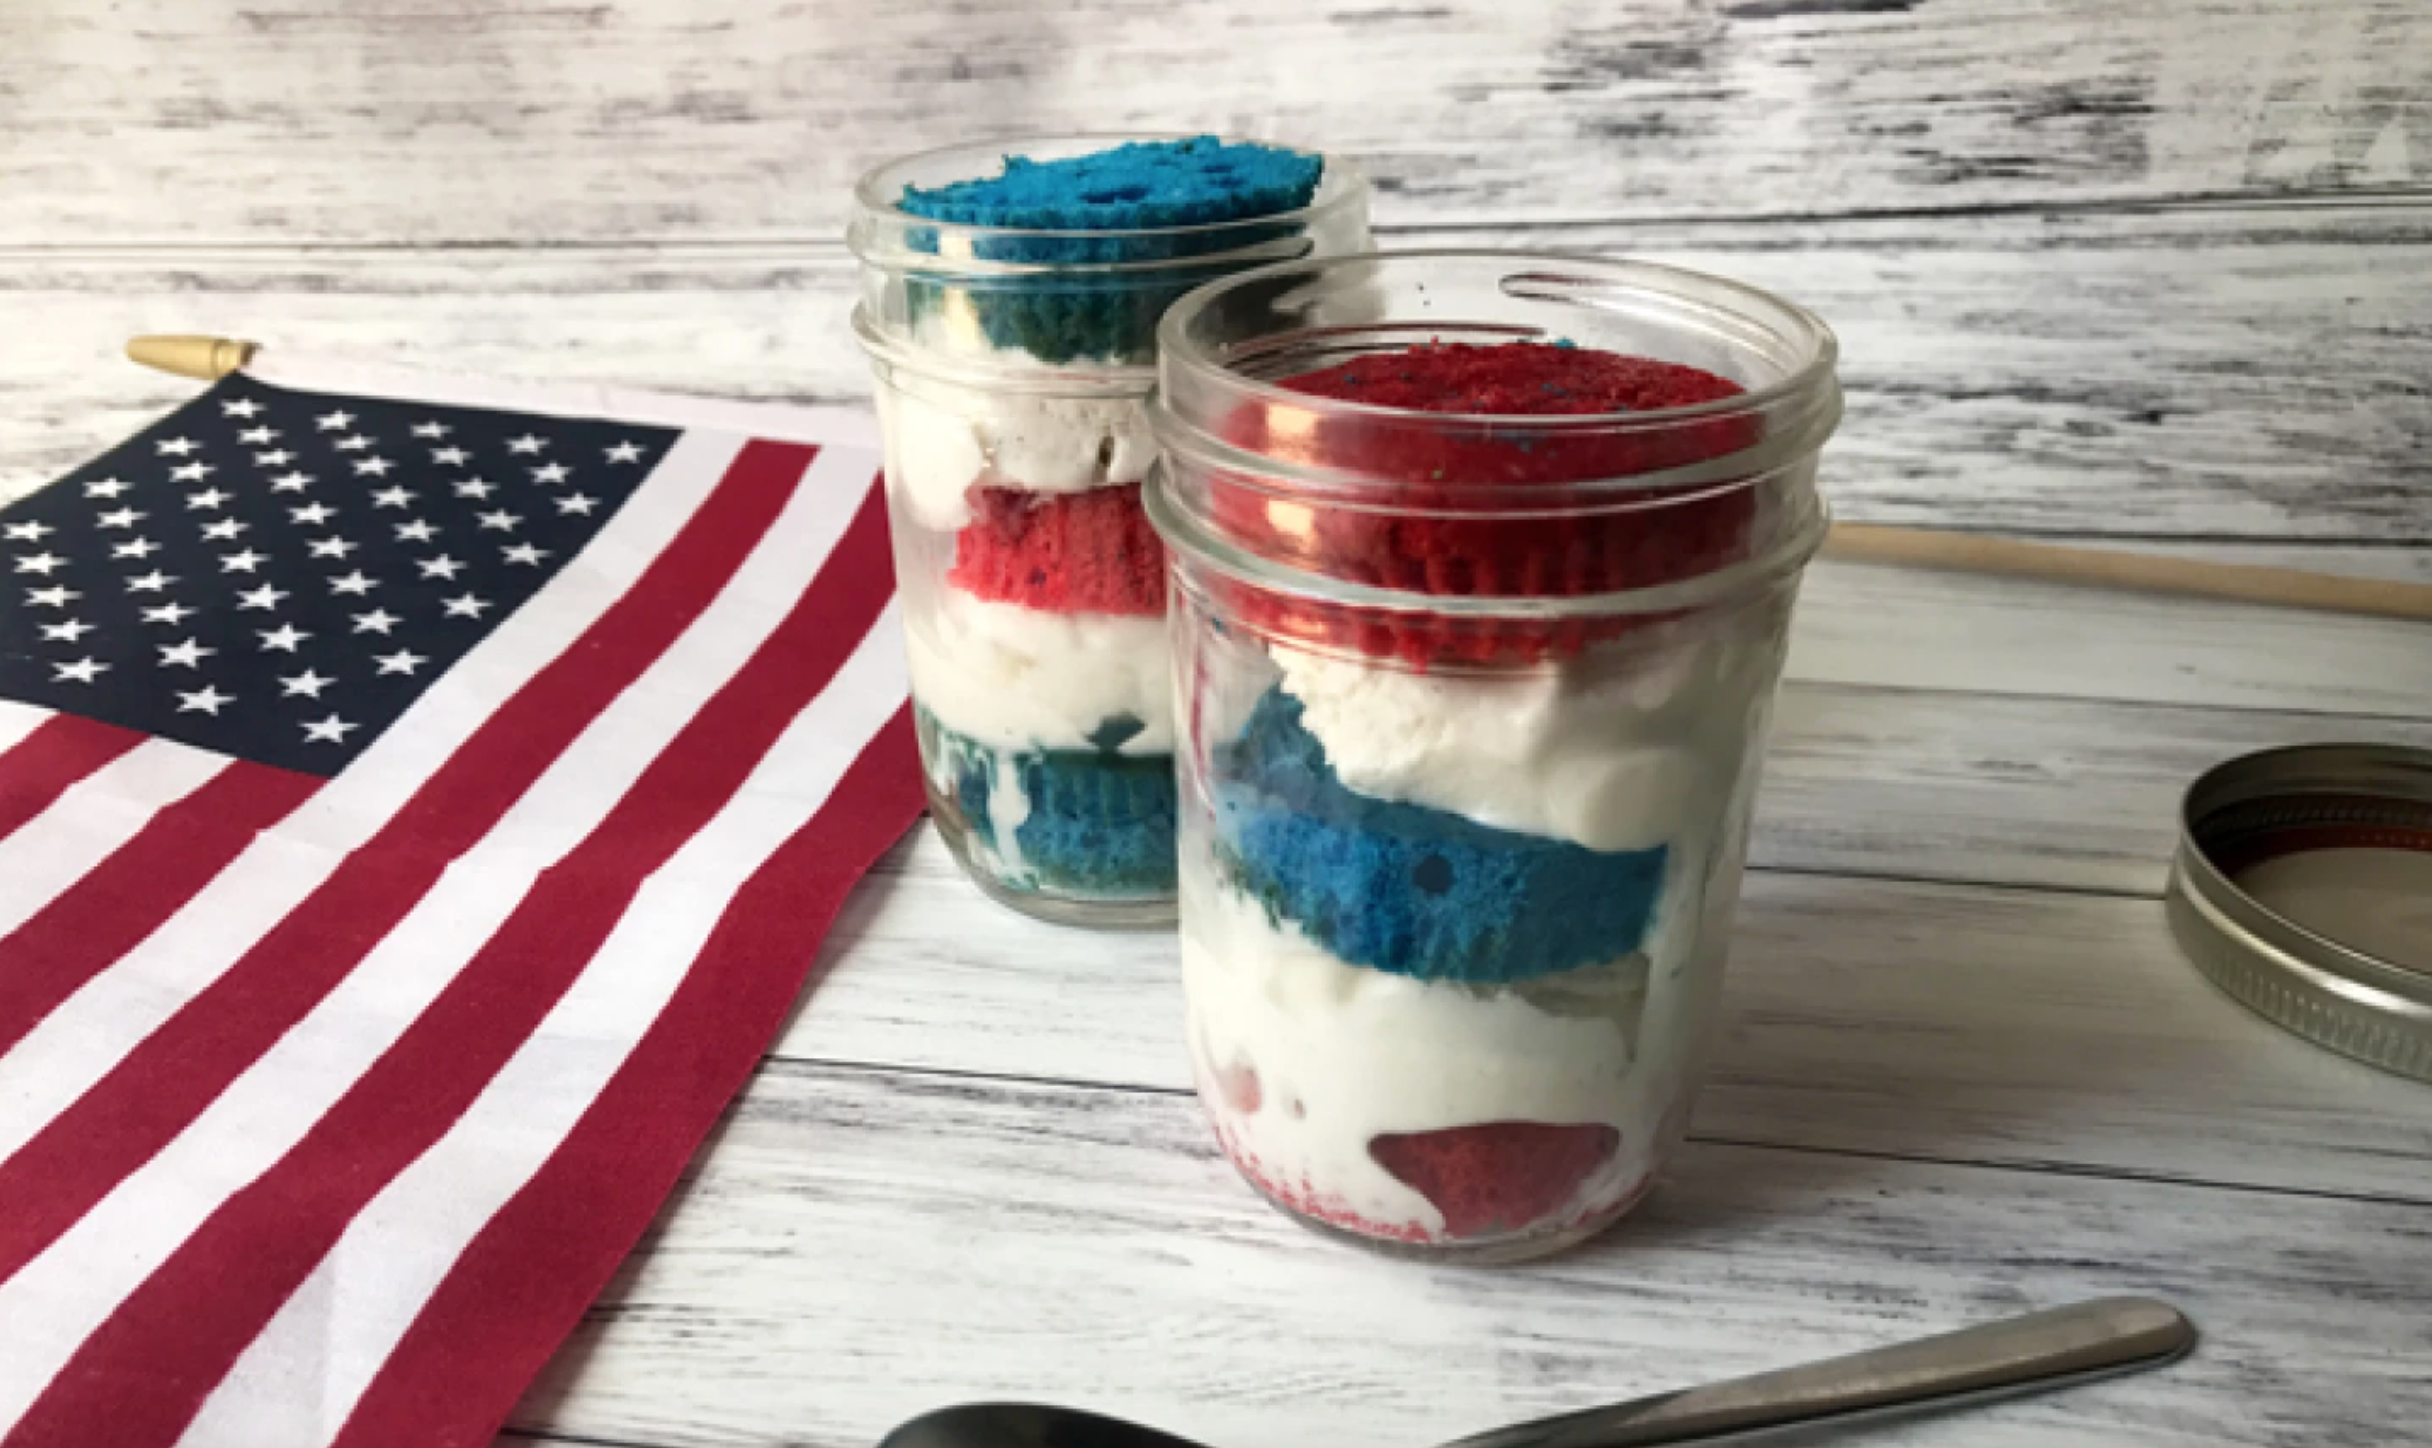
column 1012, row 367
column 1471, row 707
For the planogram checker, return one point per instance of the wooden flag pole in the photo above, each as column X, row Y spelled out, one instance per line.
column 211, row 358
column 206, row 358
column 2139, row 572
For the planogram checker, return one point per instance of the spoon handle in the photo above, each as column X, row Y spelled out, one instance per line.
column 2040, row 1350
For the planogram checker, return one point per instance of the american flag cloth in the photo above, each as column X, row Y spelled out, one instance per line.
column 420, row 802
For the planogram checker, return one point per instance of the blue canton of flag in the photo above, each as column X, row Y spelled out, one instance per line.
column 278, row 575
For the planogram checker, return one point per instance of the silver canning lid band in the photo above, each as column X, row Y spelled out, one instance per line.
column 2278, row 802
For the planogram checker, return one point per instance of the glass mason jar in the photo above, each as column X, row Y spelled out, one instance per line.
column 1471, row 706
column 1012, row 370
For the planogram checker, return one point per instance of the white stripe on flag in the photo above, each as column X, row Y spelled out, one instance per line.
column 298, row 1381
column 18, row 720
column 92, row 818
column 59, row 1298
column 111, row 1014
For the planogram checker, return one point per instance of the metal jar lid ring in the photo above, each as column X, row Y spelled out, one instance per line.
column 2282, row 803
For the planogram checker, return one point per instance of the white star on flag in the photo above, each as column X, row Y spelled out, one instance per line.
column 625, row 452
column 29, row 531
column 581, row 503
column 475, row 488
column 500, row 521
column 192, row 472
column 332, row 730
column 83, row 671
column 329, row 547
column 550, row 473
column 440, row 567
column 311, row 514
column 240, row 407
column 244, row 560
column 208, row 699
column 152, row 582
column 284, row 638
column 65, row 633
column 466, row 606
column 188, row 654
column 378, row 621
column 52, row 597
column 120, row 518
column 392, row 498
column 352, row 444
column 134, row 548
column 266, row 596
column 257, row 436
column 401, row 662
column 526, row 444
column 431, row 429
column 104, row 488
column 377, row 467
column 277, row 458
column 176, row 447
column 416, row 531
column 357, row 583
column 225, row 529
column 308, row 683
column 42, row 563
column 524, row 553
column 291, row 482
column 169, row 613
column 334, row 421
column 449, row 456
column 207, row 498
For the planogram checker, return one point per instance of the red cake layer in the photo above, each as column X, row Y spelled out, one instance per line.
column 1497, row 1177
column 1090, row 552
column 1658, row 536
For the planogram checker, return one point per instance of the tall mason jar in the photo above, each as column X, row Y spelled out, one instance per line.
column 1012, row 373
column 1472, row 689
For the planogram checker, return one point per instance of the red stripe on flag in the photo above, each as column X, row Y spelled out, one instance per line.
column 167, row 1080
column 126, row 897
column 144, row 1374
column 61, row 750
column 523, row 1283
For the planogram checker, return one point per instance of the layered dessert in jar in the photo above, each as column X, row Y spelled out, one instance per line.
column 1010, row 302
column 1481, row 600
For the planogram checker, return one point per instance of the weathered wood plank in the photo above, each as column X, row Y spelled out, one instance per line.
column 540, row 120
column 2249, row 374
column 2032, row 1029
column 861, row 1247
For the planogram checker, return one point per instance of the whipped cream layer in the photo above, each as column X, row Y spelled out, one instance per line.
column 1631, row 745
column 1017, row 678
column 944, row 438
column 1341, row 1055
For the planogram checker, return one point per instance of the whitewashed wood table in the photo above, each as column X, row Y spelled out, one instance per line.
column 2150, row 274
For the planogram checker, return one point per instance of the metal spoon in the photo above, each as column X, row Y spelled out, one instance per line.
column 2000, row 1359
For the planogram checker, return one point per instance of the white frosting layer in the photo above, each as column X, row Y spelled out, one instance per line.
column 1018, row 678
column 1342, row 1055
column 942, row 439
column 1627, row 747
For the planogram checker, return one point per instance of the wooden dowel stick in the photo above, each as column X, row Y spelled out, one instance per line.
column 211, row 358
column 207, row 358
column 2141, row 572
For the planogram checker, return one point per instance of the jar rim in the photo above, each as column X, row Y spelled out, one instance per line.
column 876, row 232
column 1176, row 350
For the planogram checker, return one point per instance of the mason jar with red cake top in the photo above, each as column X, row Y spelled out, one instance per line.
column 1010, row 297
column 1483, row 566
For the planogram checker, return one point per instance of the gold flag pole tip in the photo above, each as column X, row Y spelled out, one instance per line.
column 206, row 358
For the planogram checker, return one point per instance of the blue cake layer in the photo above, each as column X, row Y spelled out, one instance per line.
column 1099, row 822
column 1415, row 891
column 1128, row 190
